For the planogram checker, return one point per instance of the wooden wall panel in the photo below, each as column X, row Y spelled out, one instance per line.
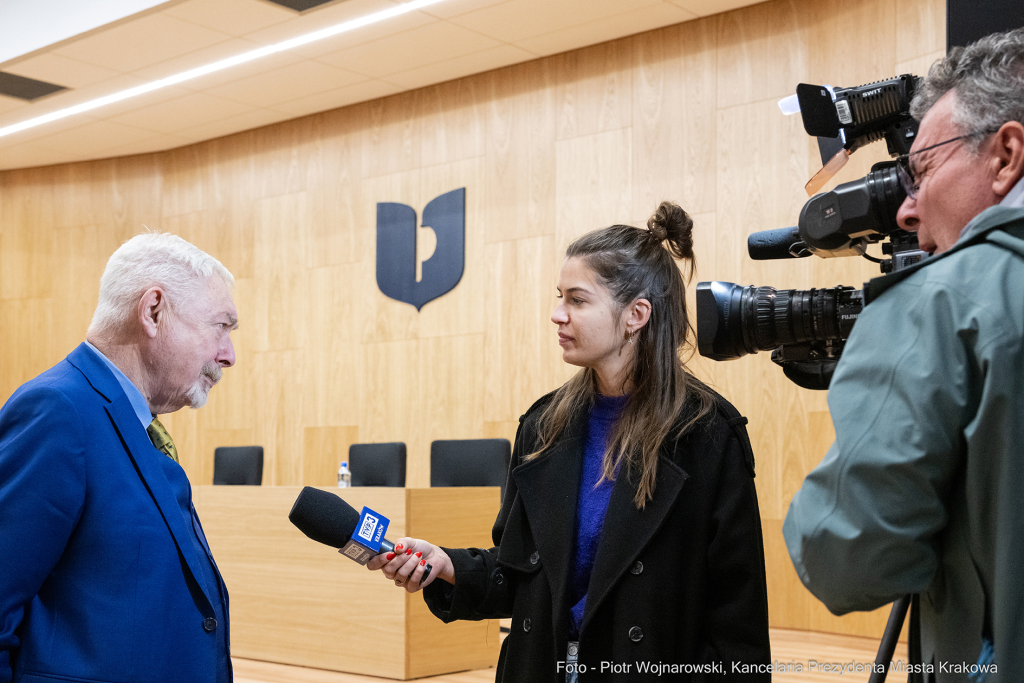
column 592, row 186
column 523, row 362
column 674, row 108
column 546, row 151
column 325, row 449
column 520, row 137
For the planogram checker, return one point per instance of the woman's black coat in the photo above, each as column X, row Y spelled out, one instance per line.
column 681, row 582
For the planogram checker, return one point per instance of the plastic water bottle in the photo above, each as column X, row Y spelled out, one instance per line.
column 344, row 476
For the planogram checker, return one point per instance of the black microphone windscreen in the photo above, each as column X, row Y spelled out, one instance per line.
column 324, row 517
column 773, row 244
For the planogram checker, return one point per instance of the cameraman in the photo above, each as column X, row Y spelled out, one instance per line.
column 923, row 489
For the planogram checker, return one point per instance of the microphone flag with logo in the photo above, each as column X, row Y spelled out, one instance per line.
column 328, row 519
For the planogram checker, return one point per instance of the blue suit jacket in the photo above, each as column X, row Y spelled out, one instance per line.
column 92, row 585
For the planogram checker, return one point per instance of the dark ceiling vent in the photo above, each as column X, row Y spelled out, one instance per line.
column 26, row 88
column 300, row 5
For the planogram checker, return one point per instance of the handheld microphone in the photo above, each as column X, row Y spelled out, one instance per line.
column 328, row 519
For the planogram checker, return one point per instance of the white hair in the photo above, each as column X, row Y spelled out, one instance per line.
column 148, row 260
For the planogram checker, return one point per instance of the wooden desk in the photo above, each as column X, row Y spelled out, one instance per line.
column 295, row 601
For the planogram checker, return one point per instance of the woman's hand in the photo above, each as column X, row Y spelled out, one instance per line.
column 409, row 563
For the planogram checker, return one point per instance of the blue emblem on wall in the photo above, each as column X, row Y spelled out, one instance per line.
column 396, row 248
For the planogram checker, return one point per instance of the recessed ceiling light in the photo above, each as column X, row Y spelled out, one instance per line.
column 300, row 5
column 220, row 65
column 27, row 89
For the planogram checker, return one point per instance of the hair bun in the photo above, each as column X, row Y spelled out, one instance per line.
column 673, row 225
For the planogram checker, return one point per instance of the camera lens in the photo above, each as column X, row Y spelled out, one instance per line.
column 733, row 320
column 886, row 193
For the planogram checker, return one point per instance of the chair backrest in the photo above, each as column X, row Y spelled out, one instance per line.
column 470, row 462
column 377, row 464
column 238, row 465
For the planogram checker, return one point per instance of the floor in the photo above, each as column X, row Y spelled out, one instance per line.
column 801, row 657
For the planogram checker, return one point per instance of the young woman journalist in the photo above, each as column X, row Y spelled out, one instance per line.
column 629, row 532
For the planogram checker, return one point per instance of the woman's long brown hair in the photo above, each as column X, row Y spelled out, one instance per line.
column 638, row 264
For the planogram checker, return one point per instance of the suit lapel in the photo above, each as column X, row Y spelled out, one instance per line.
column 147, row 460
column 548, row 488
column 139, row 449
column 628, row 530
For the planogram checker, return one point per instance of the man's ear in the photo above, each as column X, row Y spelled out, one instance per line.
column 1008, row 150
column 153, row 310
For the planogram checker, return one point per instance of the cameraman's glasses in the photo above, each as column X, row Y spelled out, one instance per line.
column 906, row 174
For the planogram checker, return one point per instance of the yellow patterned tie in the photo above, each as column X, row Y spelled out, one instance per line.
column 162, row 440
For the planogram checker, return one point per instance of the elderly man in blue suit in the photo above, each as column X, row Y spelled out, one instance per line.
column 105, row 572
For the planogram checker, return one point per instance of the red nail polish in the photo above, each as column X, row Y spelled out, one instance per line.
column 398, row 547
column 419, row 554
column 422, row 562
column 409, row 551
column 389, row 557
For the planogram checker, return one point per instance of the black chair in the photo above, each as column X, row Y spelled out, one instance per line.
column 238, row 465
column 470, row 462
column 377, row 464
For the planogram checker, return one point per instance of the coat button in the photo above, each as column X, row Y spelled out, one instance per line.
column 637, row 567
column 209, row 624
column 526, row 624
column 498, row 578
column 635, row 634
column 535, row 558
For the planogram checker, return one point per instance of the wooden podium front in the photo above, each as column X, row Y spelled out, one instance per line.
column 295, row 601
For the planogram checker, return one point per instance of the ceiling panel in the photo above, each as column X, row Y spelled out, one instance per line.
column 429, row 44
column 162, row 97
column 242, row 71
column 65, row 71
column 453, row 8
column 69, row 98
column 288, row 83
column 706, row 8
column 254, row 118
column 485, row 60
column 135, row 44
column 322, row 17
column 28, row 155
column 448, row 40
column 231, row 47
column 93, row 138
column 12, row 104
column 108, row 86
column 182, row 113
column 32, row 135
column 232, row 17
column 515, row 20
column 608, row 28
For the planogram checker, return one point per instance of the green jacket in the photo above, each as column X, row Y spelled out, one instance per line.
column 923, row 489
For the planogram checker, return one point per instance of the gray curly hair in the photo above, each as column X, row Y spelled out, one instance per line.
column 988, row 77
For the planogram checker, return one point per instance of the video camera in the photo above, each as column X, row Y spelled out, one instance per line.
column 806, row 329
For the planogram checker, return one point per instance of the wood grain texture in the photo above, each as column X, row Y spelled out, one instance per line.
column 546, row 151
column 452, row 518
column 325, row 448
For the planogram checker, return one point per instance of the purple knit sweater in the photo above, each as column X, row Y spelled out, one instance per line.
column 592, row 503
